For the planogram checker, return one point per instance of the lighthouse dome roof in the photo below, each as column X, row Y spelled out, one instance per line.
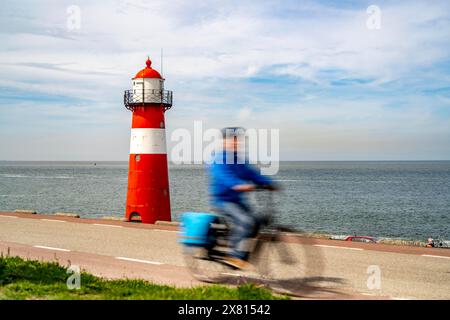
column 148, row 71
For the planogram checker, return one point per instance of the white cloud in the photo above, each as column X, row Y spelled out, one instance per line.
column 232, row 40
column 212, row 47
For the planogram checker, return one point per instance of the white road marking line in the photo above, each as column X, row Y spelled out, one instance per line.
column 8, row 216
column 337, row 247
column 246, row 276
column 432, row 256
column 138, row 260
column 106, row 225
column 231, row 274
column 51, row 248
column 51, row 220
column 164, row 230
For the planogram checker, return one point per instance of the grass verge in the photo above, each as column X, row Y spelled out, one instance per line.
column 30, row 279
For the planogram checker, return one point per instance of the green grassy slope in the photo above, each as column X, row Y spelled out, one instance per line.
column 28, row 279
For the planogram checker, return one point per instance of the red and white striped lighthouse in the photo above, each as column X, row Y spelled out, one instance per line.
column 148, row 198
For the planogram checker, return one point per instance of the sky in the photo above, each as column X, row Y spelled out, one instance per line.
column 336, row 88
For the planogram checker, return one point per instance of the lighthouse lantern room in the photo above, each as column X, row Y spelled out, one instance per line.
column 148, row 198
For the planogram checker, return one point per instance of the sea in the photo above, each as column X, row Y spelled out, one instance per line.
column 390, row 199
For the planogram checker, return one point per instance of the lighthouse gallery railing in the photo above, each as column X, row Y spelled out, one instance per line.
column 134, row 98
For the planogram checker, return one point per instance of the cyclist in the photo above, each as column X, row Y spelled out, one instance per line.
column 230, row 176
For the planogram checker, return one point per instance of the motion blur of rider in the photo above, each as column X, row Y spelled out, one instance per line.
column 230, row 176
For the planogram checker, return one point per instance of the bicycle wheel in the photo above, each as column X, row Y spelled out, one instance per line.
column 204, row 266
column 280, row 264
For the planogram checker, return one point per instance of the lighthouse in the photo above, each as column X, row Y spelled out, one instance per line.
column 148, row 198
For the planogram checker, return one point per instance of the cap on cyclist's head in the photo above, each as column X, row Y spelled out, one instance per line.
column 231, row 132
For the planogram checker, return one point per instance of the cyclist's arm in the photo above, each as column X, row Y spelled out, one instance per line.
column 248, row 172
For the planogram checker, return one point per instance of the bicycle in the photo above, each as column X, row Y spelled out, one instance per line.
column 274, row 259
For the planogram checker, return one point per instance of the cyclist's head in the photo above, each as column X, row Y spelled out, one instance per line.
column 232, row 137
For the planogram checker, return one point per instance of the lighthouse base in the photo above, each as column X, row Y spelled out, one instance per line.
column 148, row 198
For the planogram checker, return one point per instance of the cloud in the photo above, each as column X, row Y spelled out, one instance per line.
column 304, row 67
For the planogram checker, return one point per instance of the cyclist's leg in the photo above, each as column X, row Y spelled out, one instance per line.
column 244, row 226
column 256, row 220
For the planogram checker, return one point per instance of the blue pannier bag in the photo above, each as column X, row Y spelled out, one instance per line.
column 195, row 227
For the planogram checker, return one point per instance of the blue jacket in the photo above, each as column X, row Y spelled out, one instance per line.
column 224, row 176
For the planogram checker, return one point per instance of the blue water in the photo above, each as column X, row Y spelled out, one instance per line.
column 390, row 199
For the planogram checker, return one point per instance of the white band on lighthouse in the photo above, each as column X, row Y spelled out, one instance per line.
column 148, row 141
